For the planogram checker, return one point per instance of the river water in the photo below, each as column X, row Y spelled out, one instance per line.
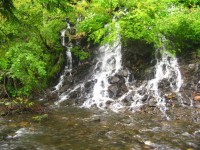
column 73, row 128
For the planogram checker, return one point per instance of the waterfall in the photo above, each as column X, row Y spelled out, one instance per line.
column 63, row 37
column 155, row 92
column 68, row 67
column 108, row 64
column 166, row 69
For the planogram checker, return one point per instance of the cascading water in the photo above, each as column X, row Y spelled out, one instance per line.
column 68, row 67
column 166, row 69
column 108, row 64
column 63, row 37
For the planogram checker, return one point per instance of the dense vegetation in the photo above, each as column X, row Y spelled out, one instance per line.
column 30, row 49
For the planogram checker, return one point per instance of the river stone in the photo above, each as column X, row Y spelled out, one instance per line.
column 152, row 102
column 113, row 79
column 170, row 96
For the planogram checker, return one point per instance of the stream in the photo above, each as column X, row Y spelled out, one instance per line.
column 114, row 112
column 74, row 128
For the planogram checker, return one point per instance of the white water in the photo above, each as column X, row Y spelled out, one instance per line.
column 108, row 64
column 63, row 37
column 166, row 68
column 68, row 67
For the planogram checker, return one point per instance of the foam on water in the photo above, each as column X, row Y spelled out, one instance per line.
column 109, row 63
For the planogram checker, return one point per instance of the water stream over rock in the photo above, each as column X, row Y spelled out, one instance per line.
column 68, row 67
column 111, row 87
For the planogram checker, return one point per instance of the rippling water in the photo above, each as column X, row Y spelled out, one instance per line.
column 71, row 128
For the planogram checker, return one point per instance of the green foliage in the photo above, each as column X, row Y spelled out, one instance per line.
column 17, row 105
column 30, row 49
column 26, row 65
column 6, row 9
column 146, row 20
column 82, row 55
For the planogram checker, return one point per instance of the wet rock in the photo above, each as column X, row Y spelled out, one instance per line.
column 142, row 91
column 152, row 102
column 64, row 88
column 170, row 96
column 108, row 102
column 122, row 90
column 123, row 73
column 149, row 73
column 112, row 90
column 79, row 101
column 188, row 86
column 51, row 95
column 130, row 78
column 113, row 79
column 88, row 86
column 75, row 94
column 164, row 84
column 144, row 98
column 128, row 98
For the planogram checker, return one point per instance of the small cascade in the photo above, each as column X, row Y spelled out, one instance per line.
column 63, row 37
column 108, row 64
column 167, row 77
column 111, row 87
column 68, row 67
column 166, row 74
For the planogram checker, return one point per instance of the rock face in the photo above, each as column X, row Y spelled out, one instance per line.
column 2, row 91
column 131, row 83
column 117, row 84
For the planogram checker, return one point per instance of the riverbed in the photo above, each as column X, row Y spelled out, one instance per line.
column 74, row 128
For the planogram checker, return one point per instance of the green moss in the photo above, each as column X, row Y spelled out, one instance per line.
column 40, row 118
